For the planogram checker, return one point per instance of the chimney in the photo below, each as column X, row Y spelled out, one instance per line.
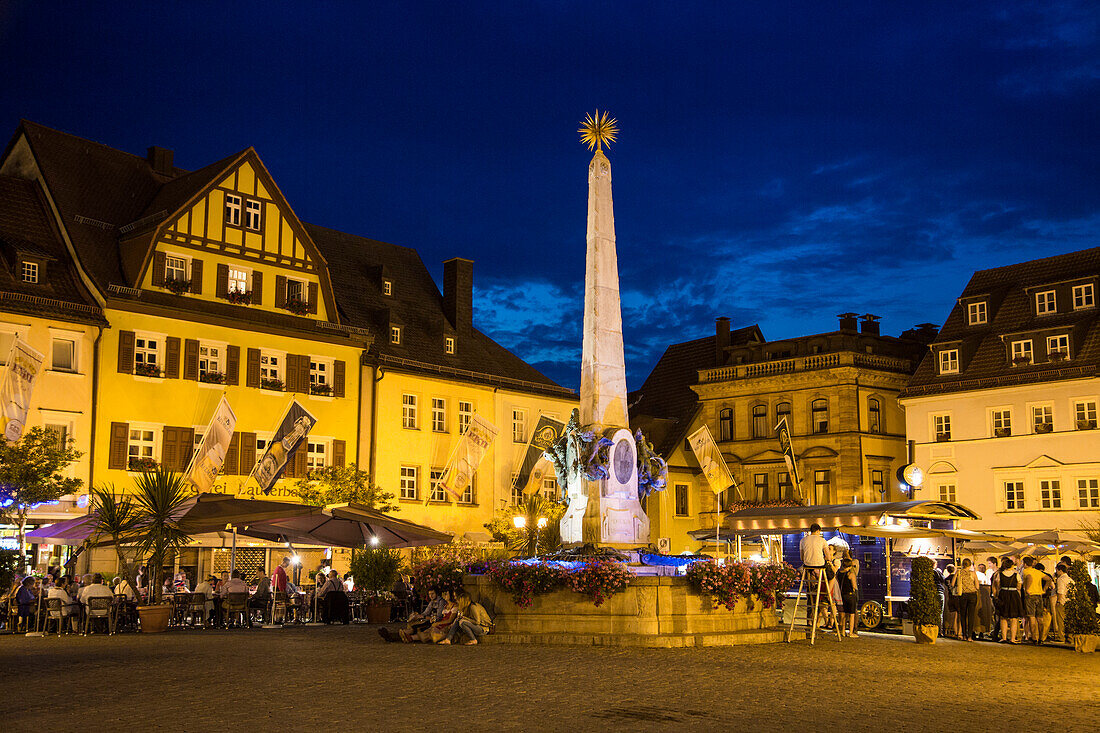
column 721, row 339
column 458, row 294
column 847, row 321
column 160, row 160
column 869, row 326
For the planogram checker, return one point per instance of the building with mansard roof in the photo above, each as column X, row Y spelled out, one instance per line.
column 837, row 390
column 154, row 291
column 1003, row 409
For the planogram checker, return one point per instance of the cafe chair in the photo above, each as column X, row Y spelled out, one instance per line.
column 54, row 613
column 98, row 608
column 236, row 605
column 197, row 605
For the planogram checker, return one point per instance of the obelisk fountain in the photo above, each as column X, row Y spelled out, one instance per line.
column 604, row 511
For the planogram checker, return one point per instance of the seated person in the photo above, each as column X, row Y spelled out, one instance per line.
column 123, row 588
column 27, row 600
column 97, row 589
column 206, row 587
column 234, row 585
column 438, row 630
column 472, row 622
column 418, row 621
column 261, row 598
column 334, row 599
column 70, row 609
column 221, row 582
column 85, row 581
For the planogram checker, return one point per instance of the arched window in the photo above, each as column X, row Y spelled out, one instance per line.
column 760, row 421
column 874, row 411
column 819, row 416
column 725, row 424
column 783, row 410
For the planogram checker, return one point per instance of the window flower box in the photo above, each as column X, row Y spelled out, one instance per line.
column 178, row 286
column 141, row 464
column 239, row 297
column 274, row 384
column 1057, row 356
column 943, row 438
column 1021, row 360
column 212, row 377
column 1002, row 432
column 297, row 306
column 146, row 370
column 1044, row 427
column 1086, row 425
column 321, row 389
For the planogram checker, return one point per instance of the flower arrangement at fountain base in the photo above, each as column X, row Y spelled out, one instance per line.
column 650, row 611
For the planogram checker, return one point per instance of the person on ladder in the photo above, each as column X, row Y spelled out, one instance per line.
column 817, row 557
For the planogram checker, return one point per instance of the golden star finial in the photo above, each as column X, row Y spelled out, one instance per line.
column 598, row 130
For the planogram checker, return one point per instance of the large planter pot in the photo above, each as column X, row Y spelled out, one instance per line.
column 379, row 614
column 1085, row 643
column 154, row 619
column 926, row 634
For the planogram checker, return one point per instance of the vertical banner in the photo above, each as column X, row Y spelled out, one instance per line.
column 711, row 461
column 287, row 437
column 208, row 460
column 783, row 431
column 546, row 433
column 467, row 455
column 24, row 364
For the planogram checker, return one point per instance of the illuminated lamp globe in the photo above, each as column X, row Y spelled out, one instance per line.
column 520, row 522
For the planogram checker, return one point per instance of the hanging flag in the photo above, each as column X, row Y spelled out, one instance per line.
column 215, row 444
column 288, row 435
column 24, row 364
column 467, row 455
column 546, row 433
column 783, row 431
column 712, row 462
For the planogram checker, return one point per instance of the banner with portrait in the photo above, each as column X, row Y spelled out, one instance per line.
column 24, row 366
column 467, row 456
column 712, row 461
column 287, row 437
column 535, row 464
column 208, row 460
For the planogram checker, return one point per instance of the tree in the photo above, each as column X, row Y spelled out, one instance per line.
column 1081, row 617
column 342, row 484
column 31, row 472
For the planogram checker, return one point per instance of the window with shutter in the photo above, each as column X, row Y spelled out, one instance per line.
column 291, row 378
column 231, row 467
column 159, row 261
column 257, row 288
column 196, row 277
column 248, row 452
column 232, row 365
column 191, row 359
column 252, row 369
column 338, row 379
column 221, row 287
column 280, row 291
column 169, row 448
column 172, row 357
column 126, row 352
column 339, row 452
column 120, row 435
column 312, row 301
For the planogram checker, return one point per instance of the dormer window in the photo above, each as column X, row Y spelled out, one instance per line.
column 1045, row 303
column 949, row 361
column 1057, row 345
column 387, row 287
column 448, row 345
column 1084, row 296
column 175, row 268
column 977, row 313
column 232, row 209
column 28, row 272
column 395, row 335
column 1022, row 353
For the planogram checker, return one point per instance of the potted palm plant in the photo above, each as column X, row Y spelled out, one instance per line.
column 146, row 523
column 924, row 602
column 1082, row 621
column 375, row 571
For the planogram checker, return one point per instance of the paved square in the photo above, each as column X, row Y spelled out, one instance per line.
column 346, row 678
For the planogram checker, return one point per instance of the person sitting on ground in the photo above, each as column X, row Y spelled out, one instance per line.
column 438, row 630
column 418, row 621
column 472, row 622
column 69, row 608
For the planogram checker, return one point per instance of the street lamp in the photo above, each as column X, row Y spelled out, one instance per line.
column 520, row 522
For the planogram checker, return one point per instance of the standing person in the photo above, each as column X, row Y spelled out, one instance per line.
column 950, row 612
column 817, row 557
column 966, row 598
column 849, row 593
column 1010, row 605
column 278, row 578
column 984, row 624
column 1033, row 598
column 1046, row 612
column 1062, row 582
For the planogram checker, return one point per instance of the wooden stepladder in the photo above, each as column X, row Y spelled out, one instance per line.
column 812, row 620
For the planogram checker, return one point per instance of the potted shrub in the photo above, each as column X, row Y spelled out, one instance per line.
column 1082, row 621
column 1021, row 360
column 239, row 297
column 178, row 286
column 1057, row 356
column 924, row 602
column 297, row 306
column 146, row 523
column 146, row 370
column 212, row 377
column 274, row 384
column 325, row 390
column 375, row 570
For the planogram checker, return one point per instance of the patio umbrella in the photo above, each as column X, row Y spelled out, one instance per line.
column 1051, row 537
column 346, row 525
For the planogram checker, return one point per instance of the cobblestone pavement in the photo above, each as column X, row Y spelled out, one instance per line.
column 347, row 678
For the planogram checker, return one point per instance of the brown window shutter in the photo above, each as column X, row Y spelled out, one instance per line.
column 172, row 357
column 337, row 379
column 231, row 467
column 312, row 298
column 169, row 448
column 290, row 380
column 191, row 359
column 291, row 466
column 280, row 291
column 303, row 374
column 252, row 369
column 120, row 439
column 339, row 451
column 158, row 269
column 187, row 447
column 196, row 277
column 221, row 287
column 248, row 452
column 257, row 287
column 126, row 352
column 301, row 456
column 233, row 365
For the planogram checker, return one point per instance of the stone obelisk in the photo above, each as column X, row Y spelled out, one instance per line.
column 604, row 511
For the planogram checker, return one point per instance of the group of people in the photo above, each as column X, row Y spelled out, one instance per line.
column 448, row 618
column 1001, row 601
column 28, row 596
column 841, row 576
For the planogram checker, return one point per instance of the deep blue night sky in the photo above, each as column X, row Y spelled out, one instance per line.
column 777, row 164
